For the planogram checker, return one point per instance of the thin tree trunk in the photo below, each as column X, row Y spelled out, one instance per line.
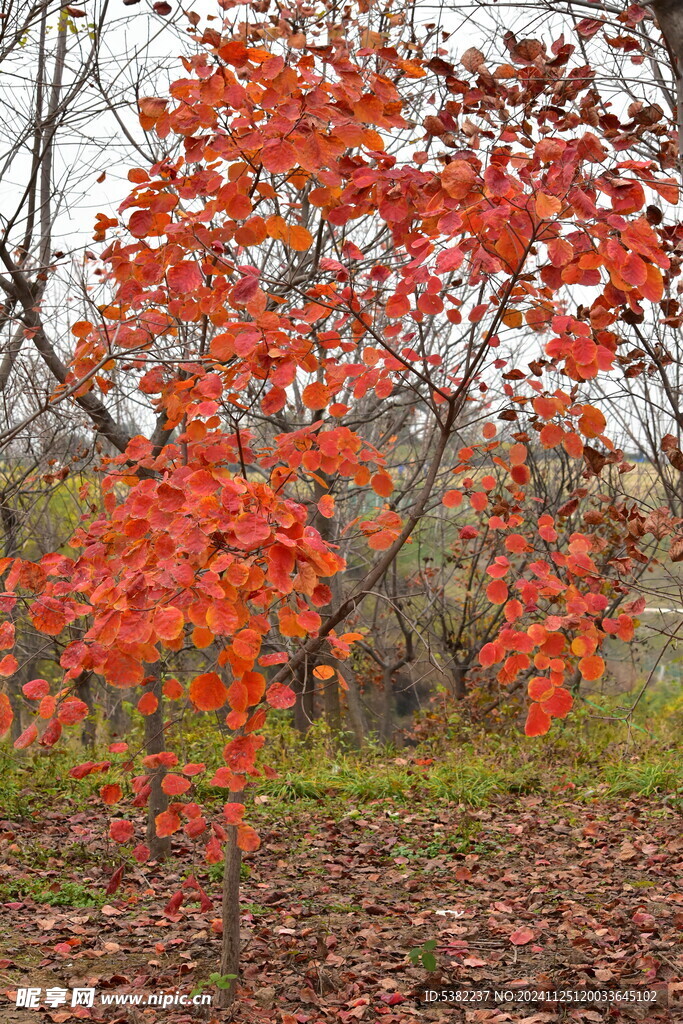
column 230, row 916
column 304, row 709
column 159, row 846
column 118, row 720
column 332, row 704
column 357, row 719
column 460, row 681
column 84, row 692
column 386, row 722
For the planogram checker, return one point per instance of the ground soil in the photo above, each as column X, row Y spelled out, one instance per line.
column 533, row 893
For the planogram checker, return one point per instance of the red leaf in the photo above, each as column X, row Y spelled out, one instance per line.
column 6, row 714
column 452, row 499
column 184, row 277
column 72, row 710
column 174, row 785
column 148, row 703
column 36, row 689
column 234, row 813
column 560, row 704
column 168, row 622
column 497, row 592
column 27, row 737
column 51, row 734
column 8, row 665
column 279, row 696
column 251, row 530
column 121, row 830
column 490, row 654
column 140, row 223
column 521, row 936
column 540, row 689
column 115, row 881
column 278, row 156
column 141, row 853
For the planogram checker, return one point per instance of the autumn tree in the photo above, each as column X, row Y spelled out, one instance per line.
column 311, row 244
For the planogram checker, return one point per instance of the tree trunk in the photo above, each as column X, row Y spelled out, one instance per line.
column 84, row 692
column 460, row 681
column 118, row 720
column 386, row 722
column 159, row 846
column 304, row 709
column 357, row 719
column 230, row 916
column 331, row 703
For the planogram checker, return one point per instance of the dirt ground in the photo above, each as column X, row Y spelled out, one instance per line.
column 582, row 900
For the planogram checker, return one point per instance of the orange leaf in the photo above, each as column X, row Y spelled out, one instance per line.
column 573, row 445
column 323, row 672
column 111, row 794
column 547, row 206
column 517, row 454
column 538, row 722
column 316, row 395
column 591, row 667
column 247, row 838
column 207, row 692
column 148, row 704
column 452, row 499
column 299, row 238
column 382, row 484
column 592, row 422
column 326, row 506
column 168, row 622
column 551, row 435
column 167, row 823
column 172, row 689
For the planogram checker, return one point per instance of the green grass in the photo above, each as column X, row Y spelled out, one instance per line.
column 645, row 778
column 54, row 894
column 580, row 759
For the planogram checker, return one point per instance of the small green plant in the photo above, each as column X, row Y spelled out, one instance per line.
column 219, row 980
column 222, row 980
column 424, row 955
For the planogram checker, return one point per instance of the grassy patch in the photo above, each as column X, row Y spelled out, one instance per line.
column 644, row 778
column 51, row 893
